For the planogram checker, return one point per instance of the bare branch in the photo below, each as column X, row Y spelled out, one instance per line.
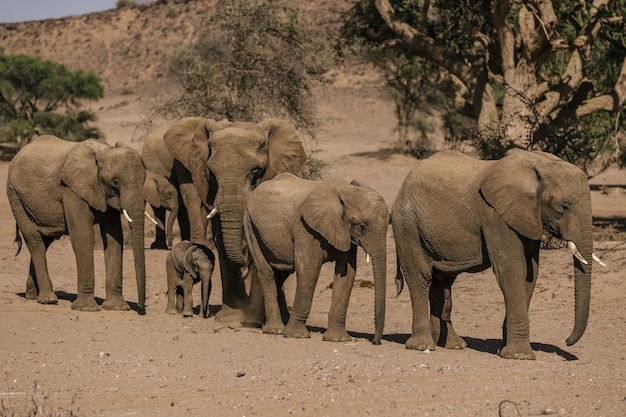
column 615, row 101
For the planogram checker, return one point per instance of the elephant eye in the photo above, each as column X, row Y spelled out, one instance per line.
column 363, row 227
column 116, row 181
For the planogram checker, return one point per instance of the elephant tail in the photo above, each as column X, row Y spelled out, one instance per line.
column 399, row 277
column 18, row 240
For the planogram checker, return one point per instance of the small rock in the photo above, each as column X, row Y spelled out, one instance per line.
column 239, row 374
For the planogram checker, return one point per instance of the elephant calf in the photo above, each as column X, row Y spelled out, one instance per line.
column 186, row 264
column 296, row 225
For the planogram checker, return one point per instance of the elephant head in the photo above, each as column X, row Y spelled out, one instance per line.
column 228, row 160
column 106, row 176
column 533, row 191
column 159, row 192
column 353, row 214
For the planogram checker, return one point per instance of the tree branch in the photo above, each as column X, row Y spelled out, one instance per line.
column 424, row 46
column 614, row 101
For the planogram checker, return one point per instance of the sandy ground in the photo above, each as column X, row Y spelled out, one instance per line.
column 119, row 363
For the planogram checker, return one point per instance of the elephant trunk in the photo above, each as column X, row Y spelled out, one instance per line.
column 171, row 216
column 582, row 287
column 136, row 212
column 376, row 247
column 231, row 218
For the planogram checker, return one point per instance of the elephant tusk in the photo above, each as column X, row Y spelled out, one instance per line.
column 212, row 213
column 598, row 260
column 150, row 218
column 572, row 246
column 367, row 258
column 127, row 216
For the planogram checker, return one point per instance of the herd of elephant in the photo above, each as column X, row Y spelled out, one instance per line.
column 452, row 214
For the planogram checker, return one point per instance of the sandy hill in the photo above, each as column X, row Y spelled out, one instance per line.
column 129, row 47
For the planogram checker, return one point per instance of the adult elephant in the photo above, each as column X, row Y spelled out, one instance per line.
column 457, row 214
column 163, row 197
column 226, row 162
column 296, row 225
column 56, row 188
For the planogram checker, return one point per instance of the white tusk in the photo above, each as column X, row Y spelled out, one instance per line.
column 212, row 213
column 598, row 260
column 367, row 258
column 127, row 216
column 150, row 218
column 572, row 246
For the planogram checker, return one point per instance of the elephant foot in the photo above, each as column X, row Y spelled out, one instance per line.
column 274, row 328
column 336, row 336
column 158, row 244
column 85, row 303
column 420, row 342
column 46, row 298
column 445, row 335
column 229, row 315
column 30, row 294
column 517, row 351
column 116, row 304
column 187, row 313
column 297, row 331
column 170, row 310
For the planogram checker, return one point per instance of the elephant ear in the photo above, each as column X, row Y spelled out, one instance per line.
column 323, row 211
column 188, row 142
column 512, row 186
column 189, row 261
column 151, row 190
column 80, row 173
column 284, row 147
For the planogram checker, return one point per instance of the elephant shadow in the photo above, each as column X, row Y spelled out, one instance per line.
column 492, row 346
column 65, row 296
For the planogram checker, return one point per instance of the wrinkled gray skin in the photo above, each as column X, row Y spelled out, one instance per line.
column 188, row 263
column 162, row 197
column 226, row 162
column 457, row 214
column 191, row 215
column 296, row 225
column 58, row 188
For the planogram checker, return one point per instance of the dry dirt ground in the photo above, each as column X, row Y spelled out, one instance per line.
column 122, row 364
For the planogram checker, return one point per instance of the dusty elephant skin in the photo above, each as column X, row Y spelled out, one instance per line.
column 60, row 188
column 226, row 162
column 186, row 264
column 457, row 214
column 296, row 225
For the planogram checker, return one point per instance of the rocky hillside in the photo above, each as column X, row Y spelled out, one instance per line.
column 129, row 48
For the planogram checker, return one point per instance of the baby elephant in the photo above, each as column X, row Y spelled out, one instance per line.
column 296, row 225
column 186, row 264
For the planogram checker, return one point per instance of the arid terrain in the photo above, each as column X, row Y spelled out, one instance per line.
column 62, row 362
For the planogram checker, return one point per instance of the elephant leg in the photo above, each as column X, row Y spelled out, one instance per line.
column 532, row 269
column 160, row 240
column 440, row 298
column 511, row 270
column 173, row 285
column 112, row 238
column 38, row 283
column 345, row 271
column 187, row 295
column 308, row 268
column 80, row 221
column 196, row 213
column 418, row 275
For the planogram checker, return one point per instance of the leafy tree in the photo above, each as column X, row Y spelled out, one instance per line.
column 528, row 74
column 254, row 59
column 43, row 97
